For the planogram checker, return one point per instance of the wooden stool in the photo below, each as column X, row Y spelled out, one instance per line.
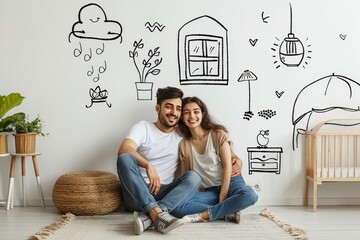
column 3, row 155
column 10, row 198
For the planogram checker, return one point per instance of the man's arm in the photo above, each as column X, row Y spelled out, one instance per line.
column 129, row 146
column 236, row 165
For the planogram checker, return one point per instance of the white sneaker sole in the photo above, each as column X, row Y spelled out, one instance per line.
column 176, row 224
column 138, row 225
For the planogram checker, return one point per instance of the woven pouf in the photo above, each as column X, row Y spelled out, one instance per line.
column 87, row 193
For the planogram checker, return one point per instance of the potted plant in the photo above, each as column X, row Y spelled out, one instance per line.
column 25, row 134
column 149, row 66
column 6, row 104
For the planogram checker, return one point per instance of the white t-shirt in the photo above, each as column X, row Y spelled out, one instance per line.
column 159, row 148
column 208, row 165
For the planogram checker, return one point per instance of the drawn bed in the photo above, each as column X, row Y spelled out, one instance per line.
column 332, row 154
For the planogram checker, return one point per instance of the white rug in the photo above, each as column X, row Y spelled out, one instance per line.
column 119, row 225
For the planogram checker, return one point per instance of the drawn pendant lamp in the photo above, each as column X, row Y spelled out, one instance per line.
column 291, row 50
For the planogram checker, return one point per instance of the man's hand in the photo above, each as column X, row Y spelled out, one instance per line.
column 154, row 179
column 236, row 166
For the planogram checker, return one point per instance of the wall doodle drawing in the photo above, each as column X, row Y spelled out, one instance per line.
column 279, row 94
column 94, row 26
column 333, row 94
column 248, row 76
column 98, row 96
column 203, row 52
column 262, row 138
column 264, row 18
column 291, row 50
column 153, row 27
column 264, row 158
column 149, row 65
column 253, row 42
column 342, row 36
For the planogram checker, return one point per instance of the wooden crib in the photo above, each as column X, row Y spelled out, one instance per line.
column 332, row 154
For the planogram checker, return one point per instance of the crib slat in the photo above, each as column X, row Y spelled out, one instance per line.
column 329, row 156
column 341, row 155
column 348, row 160
column 355, row 154
column 334, row 155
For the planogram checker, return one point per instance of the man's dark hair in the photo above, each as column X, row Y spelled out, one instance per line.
column 168, row 93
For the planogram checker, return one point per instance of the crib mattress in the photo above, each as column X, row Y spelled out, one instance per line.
column 350, row 172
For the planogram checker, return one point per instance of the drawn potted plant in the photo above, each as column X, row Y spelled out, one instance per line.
column 148, row 66
column 25, row 134
column 6, row 104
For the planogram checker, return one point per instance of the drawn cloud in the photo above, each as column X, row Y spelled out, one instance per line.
column 93, row 24
column 332, row 96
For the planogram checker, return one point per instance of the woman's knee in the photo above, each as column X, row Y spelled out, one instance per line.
column 251, row 194
column 248, row 194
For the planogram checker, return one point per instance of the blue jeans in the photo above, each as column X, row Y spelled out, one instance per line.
column 240, row 196
column 135, row 191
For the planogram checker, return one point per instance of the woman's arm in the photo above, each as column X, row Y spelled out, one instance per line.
column 225, row 156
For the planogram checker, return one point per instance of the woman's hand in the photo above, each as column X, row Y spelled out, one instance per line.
column 154, row 179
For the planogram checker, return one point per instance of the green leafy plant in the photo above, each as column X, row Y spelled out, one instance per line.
column 149, row 65
column 26, row 126
column 6, row 104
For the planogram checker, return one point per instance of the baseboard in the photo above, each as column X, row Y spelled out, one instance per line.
column 352, row 201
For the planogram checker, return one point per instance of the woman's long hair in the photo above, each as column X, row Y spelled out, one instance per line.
column 207, row 122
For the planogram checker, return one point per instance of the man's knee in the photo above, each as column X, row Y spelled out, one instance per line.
column 124, row 159
column 193, row 178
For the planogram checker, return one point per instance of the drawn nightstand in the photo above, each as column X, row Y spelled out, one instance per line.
column 264, row 159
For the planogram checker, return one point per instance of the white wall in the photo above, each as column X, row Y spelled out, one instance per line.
column 36, row 59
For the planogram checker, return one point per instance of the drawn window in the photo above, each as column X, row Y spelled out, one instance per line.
column 203, row 55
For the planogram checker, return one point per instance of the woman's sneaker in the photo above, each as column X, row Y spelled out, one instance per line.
column 141, row 222
column 233, row 217
column 194, row 218
column 165, row 222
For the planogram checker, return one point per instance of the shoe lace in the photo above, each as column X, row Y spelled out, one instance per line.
column 166, row 217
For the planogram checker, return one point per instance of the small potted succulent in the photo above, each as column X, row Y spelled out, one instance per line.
column 6, row 104
column 25, row 134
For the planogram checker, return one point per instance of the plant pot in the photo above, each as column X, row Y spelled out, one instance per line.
column 25, row 142
column 3, row 144
column 144, row 90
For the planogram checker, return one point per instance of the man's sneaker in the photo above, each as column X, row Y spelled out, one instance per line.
column 233, row 217
column 165, row 222
column 194, row 218
column 141, row 222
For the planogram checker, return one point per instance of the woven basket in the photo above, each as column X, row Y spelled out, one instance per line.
column 87, row 193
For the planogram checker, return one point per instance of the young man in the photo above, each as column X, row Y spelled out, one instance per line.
column 146, row 165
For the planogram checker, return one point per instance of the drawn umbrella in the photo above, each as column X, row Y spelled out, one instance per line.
column 248, row 76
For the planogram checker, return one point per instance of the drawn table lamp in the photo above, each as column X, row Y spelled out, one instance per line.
column 291, row 50
column 248, row 76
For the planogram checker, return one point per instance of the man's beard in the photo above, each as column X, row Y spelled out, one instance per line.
column 164, row 122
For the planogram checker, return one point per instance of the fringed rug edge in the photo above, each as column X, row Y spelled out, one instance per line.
column 295, row 232
column 50, row 230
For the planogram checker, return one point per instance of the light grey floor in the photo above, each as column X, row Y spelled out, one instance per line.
column 329, row 222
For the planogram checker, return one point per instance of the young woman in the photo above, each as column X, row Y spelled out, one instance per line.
column 206, row 149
